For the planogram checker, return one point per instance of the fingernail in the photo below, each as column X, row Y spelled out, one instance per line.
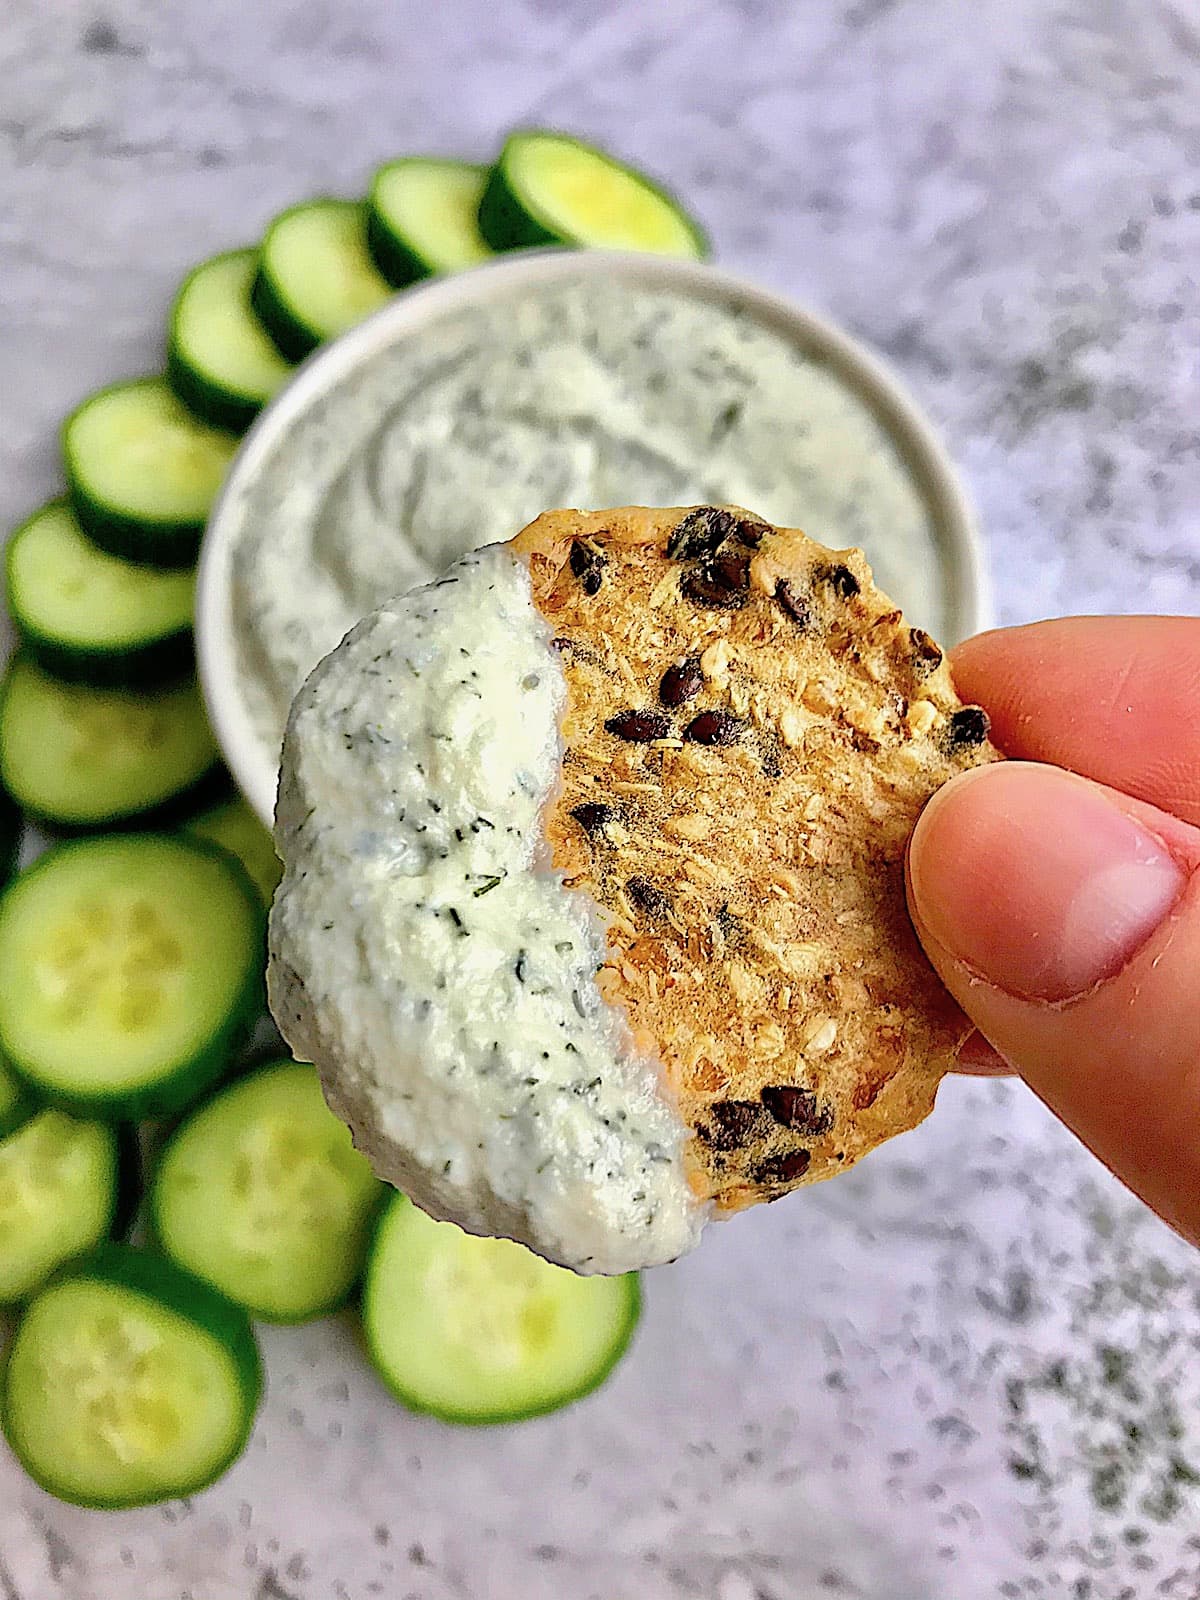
column 1037, row 881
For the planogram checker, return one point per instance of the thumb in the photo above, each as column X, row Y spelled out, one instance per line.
column 1065, row 919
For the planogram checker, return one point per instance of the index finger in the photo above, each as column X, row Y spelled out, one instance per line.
column 1113, row 698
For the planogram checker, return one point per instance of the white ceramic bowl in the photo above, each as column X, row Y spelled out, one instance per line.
column 411, row 312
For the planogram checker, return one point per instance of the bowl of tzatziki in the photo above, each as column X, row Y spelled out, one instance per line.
column 469, row 404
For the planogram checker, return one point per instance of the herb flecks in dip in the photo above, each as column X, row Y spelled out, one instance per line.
column 584, row 394
column 431, row 961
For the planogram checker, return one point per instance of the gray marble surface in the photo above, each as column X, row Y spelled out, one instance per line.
column 969, row 1368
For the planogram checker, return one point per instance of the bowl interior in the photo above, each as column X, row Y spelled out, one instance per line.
column 406, row 320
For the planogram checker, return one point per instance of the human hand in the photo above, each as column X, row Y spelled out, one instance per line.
column 1060, row 902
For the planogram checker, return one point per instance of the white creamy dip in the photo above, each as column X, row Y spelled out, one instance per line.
column 430, row 961
column 587, row 393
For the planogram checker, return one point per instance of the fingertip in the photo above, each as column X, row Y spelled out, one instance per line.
column 1038, row 882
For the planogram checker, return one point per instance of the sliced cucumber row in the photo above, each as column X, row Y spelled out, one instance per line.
column 80, row 757
column 548, row 188
column 143, row 472
column 130, row 970
column 90, row 617
column 315, row 275
column 423, row 218
column 262, row 1193
column 482, row 1330
column 65, row 1186
column 234, row 827
column 220, row 361
column 129, row 1382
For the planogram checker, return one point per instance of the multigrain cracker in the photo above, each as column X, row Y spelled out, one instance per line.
column 750, row 733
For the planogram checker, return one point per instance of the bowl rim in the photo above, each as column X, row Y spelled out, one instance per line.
column 413, row 309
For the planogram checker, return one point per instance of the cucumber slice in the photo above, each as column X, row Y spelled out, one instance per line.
column 481, row 1330
column 129, row 1382
column 423, row 218
column 262, row 1193
column 315, row 277
column 130, row 970
column 234, row 827
column 79, row 757
column 548, row 188
column 65, row 1186
column 220, row 361
column 143, row 472
column 17, row 1104
column 90, row 617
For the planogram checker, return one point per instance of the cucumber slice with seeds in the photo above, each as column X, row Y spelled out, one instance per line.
column 90, row 617
column 548, row 188
column 65, row 1186
column 143, row 472
column 235, row 828
column 315, row 276
column 423, row 218
column 262, row 1193
column 482, row 1330
column 82, row 757
column 131, row 968
column 220, row 361
column 129, row 1382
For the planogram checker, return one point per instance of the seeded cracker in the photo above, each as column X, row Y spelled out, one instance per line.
column 751, row 731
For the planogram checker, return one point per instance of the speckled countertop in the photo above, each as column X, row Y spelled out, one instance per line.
column 970, row 1368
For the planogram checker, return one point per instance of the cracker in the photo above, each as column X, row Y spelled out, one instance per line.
column 751, row 731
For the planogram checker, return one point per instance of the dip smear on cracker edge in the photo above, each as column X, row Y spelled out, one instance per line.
column 593, row 915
